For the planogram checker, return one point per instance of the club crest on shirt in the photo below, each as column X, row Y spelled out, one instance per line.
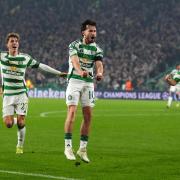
column 84, row 60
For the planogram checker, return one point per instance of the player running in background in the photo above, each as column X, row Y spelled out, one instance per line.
column 15, row 100
column 83, row 55
column 174, row 91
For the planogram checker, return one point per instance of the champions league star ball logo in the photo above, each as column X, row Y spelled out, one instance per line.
column 165, row 95
column 69, row 97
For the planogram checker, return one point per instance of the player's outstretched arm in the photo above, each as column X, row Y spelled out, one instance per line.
column 51, row 70
column 169, row 79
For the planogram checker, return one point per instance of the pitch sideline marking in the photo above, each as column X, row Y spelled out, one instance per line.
column 36, row 175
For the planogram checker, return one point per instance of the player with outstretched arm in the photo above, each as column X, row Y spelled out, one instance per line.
column 15, row 100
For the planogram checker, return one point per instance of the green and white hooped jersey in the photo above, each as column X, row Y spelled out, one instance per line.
column 13, row 70
column 88, row 54
column 176, row 76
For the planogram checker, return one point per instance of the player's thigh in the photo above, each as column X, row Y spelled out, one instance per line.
column 73, row 94
column 178, row 90
column 21, row 104
column 8, row 106
column 87, row 96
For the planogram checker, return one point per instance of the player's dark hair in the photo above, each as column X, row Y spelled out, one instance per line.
column 87, row 22
column 12, row 34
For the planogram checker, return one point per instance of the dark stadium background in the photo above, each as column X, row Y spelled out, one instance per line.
column 140, row 39
column 130, row 139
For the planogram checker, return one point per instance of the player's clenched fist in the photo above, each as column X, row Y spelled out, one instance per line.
column 84, row 74
column 99, row 76
column 169, row 79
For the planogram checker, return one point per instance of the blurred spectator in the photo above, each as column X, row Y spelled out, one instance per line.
column 40, row 79
column 29, row 84
column 128, row 85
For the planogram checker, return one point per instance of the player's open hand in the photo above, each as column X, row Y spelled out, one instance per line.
column 99, row 76
column 63, row 74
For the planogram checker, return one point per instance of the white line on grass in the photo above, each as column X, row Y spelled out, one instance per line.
column 36, row 175
column 53, row 114
column 45, row 114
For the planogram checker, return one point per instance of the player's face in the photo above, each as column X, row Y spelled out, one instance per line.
column 178, row 67
column 13, row 45
column 89, row 35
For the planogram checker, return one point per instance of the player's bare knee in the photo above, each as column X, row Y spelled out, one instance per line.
column 8, row 120
column 9, row 124
column 20, row 124
column 21, row 121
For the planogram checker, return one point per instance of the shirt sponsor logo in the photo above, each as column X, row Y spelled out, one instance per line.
column 13, row 68
column 12, row 72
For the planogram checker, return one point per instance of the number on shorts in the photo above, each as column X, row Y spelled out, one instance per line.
column 91, row 94
column 23, row 106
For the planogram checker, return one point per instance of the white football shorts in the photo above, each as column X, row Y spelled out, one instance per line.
column 78, row 90
column 15, row 104
column 175, row 88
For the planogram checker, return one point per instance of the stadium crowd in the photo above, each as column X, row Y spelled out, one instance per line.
column 140, row 39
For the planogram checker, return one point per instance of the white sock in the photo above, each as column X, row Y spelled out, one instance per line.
column 21, row 136
column 169, row 101
column 83, row 144
column 68, row 143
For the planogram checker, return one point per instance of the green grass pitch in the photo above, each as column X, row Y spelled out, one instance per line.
column 129, row 140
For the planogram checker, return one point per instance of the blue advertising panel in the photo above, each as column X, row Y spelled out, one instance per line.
column 146, row 95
